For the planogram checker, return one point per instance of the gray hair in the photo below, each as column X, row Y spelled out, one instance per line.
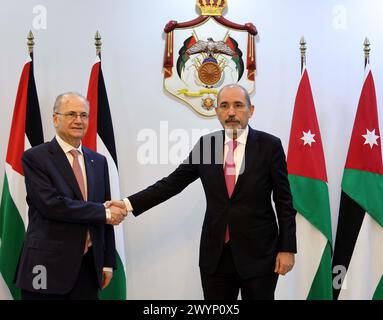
column 235, row 85
column 61, row 97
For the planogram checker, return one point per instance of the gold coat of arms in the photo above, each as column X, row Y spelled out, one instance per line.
column 204, row 54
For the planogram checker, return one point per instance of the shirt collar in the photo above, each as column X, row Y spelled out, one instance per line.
column 241, row 139
column 66, row 146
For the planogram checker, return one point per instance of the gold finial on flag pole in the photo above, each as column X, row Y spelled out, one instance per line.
column 367, row 50
column 98, row 43
column 30, row 42
column 303, row 52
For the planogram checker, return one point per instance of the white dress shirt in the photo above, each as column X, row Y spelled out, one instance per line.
column 239, row 151
column 67, row 148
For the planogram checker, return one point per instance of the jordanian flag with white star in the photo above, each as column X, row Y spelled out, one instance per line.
column 311, row 276
column 359, row 240
column 26, row 132
column 100, row 138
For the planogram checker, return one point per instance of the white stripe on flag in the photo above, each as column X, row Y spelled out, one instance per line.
column 5, row 294
column 311, row 243
column 18, row 192
column 115, row 194
column 366, row 265
column 17, row 189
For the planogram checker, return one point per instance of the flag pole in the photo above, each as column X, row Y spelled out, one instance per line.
column 30, row 43
column 303, row 53
column 98, row 44
column 367, row 50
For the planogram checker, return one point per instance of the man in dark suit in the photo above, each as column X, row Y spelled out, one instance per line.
column 243, row 246
column 69, row 248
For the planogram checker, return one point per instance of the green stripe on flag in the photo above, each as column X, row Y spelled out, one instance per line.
column 117, row 286
column 321, row 288
column 378, row 295
column 365, row 188
column 12, row 233
column 310, row 198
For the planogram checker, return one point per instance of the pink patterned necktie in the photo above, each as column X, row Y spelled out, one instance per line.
column 78, row 172
column 230, row 176
column 80, row 180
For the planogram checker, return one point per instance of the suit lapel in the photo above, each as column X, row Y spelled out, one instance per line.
column 218, row 160
column 89, row 167
column 61, row 162
column 251, row 150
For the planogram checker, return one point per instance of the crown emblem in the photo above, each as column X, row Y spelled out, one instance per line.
column 211, row 7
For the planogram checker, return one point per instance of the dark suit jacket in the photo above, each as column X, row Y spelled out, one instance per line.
column 255, row 238
column 59, row 218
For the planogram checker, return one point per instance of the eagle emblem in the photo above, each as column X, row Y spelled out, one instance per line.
column 204, row 54
column 211, row 60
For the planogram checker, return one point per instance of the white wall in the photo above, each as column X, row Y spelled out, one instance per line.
column 162, row 245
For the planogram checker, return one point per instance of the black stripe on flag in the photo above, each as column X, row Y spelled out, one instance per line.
column 33, row 126
column 104, row 119
column 350, row 220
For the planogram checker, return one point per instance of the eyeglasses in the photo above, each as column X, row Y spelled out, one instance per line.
column 73, row 115
column 226, row 106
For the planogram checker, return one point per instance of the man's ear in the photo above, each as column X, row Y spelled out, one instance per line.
column 252, row 109
column 54, row 117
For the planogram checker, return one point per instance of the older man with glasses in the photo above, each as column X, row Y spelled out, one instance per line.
column 69, row 248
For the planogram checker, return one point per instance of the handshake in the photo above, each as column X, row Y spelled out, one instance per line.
column 118, row 212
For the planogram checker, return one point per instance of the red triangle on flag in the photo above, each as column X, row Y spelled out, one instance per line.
column 364, row 152
column 90, row 138
column 305, row 154
column 16, row 142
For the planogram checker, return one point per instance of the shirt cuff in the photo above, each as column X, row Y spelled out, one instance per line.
column 107, row 269
column 108, row 214
column 128, row 205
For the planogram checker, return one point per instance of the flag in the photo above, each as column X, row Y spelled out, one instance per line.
column 311, row 275
column 358, row 250
column 100, row 138
column 26, row 132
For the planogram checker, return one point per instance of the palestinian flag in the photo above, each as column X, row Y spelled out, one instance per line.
column 100, row 138
column 311, row 277
column 358, row 247
column 26, row 132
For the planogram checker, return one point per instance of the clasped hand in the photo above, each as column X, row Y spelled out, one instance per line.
column 118, row 211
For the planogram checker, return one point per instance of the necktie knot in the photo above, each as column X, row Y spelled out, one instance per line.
column 229, row 163
column 75, row 153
